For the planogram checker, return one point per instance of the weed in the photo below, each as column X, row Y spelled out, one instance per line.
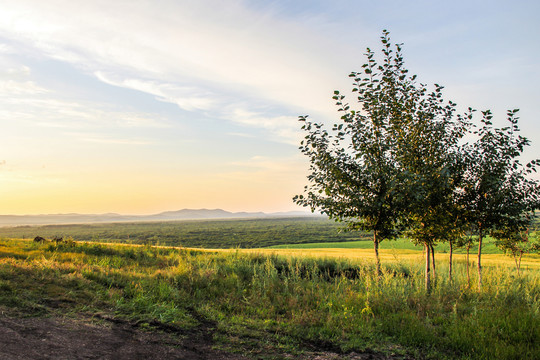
column 272, row 302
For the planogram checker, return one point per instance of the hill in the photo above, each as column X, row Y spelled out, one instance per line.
column 184, row 214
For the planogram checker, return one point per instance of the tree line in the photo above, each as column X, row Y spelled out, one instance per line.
column 405, row 162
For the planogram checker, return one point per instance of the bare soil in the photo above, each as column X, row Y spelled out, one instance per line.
column 67, row 338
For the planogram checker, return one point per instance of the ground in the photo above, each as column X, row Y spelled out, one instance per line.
column 58, row 338
column 107, row 338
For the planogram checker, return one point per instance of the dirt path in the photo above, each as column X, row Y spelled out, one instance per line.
column 57, row 338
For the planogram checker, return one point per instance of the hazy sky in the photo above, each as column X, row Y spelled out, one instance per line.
column 146, row 106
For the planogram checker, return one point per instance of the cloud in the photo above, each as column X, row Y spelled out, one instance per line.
column 6, row 49
column 206, row 56
column 14, row 81
column 46, row 121
column 50, row 112
column 100, row 139
column 22, row 99
column 186, row 97
column 222, row 106
column 16, row 72
column 11, row 87
column 244, row 135
column 284, row 128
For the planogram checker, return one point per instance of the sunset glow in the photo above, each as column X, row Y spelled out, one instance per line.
column 149, row 106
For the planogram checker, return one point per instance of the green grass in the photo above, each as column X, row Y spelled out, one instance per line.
column 217, row 234
column 488, row 247
column 269, row 306
column 277, row 233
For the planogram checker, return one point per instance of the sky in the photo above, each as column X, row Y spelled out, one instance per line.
column 138, row 107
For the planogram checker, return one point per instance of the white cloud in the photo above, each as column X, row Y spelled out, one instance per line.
column 12, row 87
column 223, row 106
column 50, row 112
column 186, row 97
column 16, row 72
column 101, row 140
column 6, row 49
column 284, row 128
column 21, row 99
column 14, row 81
column 244, row 135
column 199, row 55
column 38, row 122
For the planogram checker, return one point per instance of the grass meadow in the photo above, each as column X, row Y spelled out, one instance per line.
column 221, row 233
column 278, row 303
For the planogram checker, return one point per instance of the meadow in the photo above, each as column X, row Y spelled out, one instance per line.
column 217, row 234
column 282, row 303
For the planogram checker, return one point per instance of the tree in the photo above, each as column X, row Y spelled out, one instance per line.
column 514, row 239
column 457, row 233
column 496, row 191
column 354, row 174
column 391, row 163
column 398, row 161
column 430, row 156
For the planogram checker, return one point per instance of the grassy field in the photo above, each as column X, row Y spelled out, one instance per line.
column 400, row 256
column 274, row 233
column 403, row 250
column 278, row 303
column 219, row 234
column 399, row 244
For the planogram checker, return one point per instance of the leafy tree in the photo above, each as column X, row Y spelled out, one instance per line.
column 514, row 239
column 398, row 161
column 497, row 192
column 390, row 163
column 354, row 173
column 430, row 156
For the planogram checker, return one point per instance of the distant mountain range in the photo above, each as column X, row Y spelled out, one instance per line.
column 184, row 214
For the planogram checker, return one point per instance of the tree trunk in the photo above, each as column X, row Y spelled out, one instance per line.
column 428, row 266
column 468, row 271
column 480, row 236
column 518, row 263
column 433, row 263
column 450, row 261
column 377, row 259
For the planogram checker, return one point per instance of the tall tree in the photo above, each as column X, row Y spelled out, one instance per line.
column 354, row 175
column 430, row 156
column 392, row 160
column 457, row 237
column 497, row 191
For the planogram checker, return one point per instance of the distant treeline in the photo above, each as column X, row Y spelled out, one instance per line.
column 218, row 234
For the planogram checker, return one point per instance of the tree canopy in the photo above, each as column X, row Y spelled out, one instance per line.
column 399, row 162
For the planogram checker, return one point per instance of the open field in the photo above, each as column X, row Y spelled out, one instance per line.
column 398, row 244
column 221, row 234
column 275, row 233
column 269, row 306
column 402, row 256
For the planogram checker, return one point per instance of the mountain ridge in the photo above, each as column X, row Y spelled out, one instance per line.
column 183, row 214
